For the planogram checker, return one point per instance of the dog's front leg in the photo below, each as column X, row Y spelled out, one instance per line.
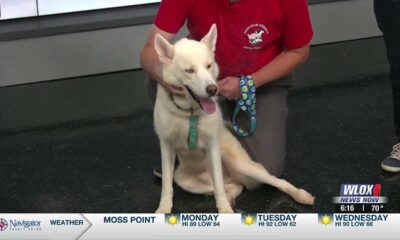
column 218, row 181
column 167, row 164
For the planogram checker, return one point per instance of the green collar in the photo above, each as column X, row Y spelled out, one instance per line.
column 193, row 133
column 193, row 125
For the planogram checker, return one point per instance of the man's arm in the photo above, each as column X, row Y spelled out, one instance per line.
column 280, row 66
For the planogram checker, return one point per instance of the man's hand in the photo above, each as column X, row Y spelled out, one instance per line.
column 229, row 87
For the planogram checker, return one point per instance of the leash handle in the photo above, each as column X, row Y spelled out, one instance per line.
column 246, row 103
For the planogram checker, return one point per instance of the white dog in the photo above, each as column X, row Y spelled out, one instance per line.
column 218, row 163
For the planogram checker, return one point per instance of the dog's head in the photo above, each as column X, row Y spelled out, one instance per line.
column 190, row 64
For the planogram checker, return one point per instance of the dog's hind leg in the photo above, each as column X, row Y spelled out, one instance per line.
column 200, row 183
column 239, row 164
column 192, row 182
column 233, row 190
column 167, row 163
column 258, row 172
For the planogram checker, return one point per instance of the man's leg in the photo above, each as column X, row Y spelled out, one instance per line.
column 267, row 145
column 388, row 17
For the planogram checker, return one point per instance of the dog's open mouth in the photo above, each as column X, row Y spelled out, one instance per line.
column 207, row 104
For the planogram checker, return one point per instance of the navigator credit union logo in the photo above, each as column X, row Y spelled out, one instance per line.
column 3, row 224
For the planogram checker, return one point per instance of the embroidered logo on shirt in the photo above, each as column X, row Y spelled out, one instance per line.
column 255, row 34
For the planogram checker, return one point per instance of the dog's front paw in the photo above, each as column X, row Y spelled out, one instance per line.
column 302, row 196
column 225, row 209
column 164, row 210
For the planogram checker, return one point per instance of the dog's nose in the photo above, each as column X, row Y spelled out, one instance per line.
column 212, row 89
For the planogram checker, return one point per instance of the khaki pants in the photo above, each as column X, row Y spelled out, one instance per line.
column 267, row 145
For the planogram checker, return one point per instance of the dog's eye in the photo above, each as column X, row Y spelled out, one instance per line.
column 209, row 66
column 189, row 70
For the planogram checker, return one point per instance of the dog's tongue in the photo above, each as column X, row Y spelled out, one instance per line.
column 208, row 105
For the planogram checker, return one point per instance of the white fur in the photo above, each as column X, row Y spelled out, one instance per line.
column 219, row 165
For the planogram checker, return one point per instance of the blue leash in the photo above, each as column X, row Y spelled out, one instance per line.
column 246, row 103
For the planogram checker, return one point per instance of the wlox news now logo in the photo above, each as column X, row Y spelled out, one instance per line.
column 360, row 189
column 360, row 193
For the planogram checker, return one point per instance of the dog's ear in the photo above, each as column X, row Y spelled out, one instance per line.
column 210, row 39
column 163, row 48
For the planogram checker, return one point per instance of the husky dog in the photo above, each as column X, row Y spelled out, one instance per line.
column 217, row 164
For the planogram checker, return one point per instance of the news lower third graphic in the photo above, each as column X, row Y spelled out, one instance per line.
column 360, row 213
column 183, row 226
column 360, row 198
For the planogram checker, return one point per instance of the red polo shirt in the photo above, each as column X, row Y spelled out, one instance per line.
column 250, row 32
